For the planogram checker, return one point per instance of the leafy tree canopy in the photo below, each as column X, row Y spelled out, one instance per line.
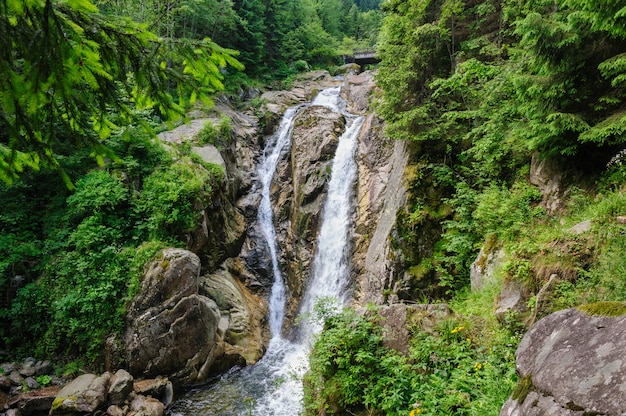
column 71, row 76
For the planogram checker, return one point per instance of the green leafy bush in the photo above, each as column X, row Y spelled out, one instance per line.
column 172, row 199
column 87, row 249
column 219, row 135
column 457, row 369
column 507, row 212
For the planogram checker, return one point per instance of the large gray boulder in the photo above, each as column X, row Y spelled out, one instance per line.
column 572, row 363
column 85, row 394
column 188, row 327
column 120, row 386
column 171, row 329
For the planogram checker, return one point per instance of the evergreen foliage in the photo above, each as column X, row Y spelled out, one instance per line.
column 478, row 88
column 67, row 68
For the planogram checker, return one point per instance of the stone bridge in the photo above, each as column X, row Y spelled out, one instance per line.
column 362, row 57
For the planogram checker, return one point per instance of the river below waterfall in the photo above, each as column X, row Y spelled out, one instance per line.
column 273, row 386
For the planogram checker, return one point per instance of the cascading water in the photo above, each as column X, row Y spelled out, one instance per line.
column 266, row 217
column 330, row 275
column 273, row 386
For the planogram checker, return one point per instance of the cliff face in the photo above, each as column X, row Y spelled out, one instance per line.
column 234, row 272
column 380, row 195
column 299, row 191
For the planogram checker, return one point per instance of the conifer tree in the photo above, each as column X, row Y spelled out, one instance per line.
column 71, row 76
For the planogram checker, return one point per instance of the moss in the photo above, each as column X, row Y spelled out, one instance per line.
column 58, row 401
column 604, row 308
column 420, row 271
column 524, row 386
column 573, row 406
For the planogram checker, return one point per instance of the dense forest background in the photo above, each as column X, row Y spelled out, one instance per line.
column 479, row 89
column 87, row 194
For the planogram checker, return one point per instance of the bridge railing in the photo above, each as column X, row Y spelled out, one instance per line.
column 364, row 53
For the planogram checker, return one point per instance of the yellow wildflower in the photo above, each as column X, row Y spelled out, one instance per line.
column 457, row 329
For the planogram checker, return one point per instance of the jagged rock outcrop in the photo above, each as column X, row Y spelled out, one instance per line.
column 399, row 320
column 483, row 268
column 571, row 363
column 305, row 88
column 171, row 329
column 174, row 328
column 242, row 314
column 298, row 190
column 550, row 179
column 381, row 162
column 356, row 90
column 512, row 300
column 221, row 227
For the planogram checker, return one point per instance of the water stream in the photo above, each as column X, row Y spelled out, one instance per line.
column 273, row 386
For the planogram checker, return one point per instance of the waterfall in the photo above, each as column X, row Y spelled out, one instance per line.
column 273, row 386
column 265, row 215
column 331, row 269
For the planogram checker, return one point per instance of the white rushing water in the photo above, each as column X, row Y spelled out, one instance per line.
column 265, row 216
column 273, row 386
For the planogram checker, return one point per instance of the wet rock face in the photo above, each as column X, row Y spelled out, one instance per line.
column 242, row 314
column 380, row 195
column 571, row 363
column 305, row 88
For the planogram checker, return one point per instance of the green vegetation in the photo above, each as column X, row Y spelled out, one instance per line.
column 85, row 78
column 479, row 90
column 91, row 81
column 523, row 387
column 79, row 255
column 98, row 62
column 604, row 308
column 219, row 135
column 460, row 367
